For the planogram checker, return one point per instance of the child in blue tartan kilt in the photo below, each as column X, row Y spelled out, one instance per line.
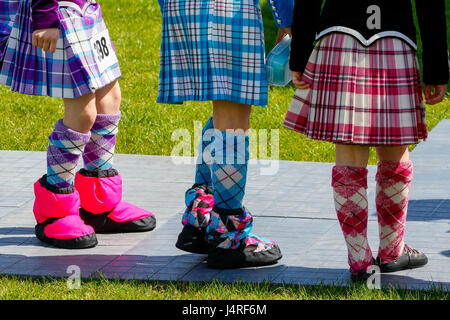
column 213, row 50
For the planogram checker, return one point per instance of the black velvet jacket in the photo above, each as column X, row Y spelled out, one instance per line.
column 370, row 20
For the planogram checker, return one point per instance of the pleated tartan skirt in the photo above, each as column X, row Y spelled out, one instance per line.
column 212, row 50
column 8, row 11
column 360, row 95
column 76, row 68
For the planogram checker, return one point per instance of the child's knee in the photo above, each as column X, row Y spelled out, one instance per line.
column 89, row 114
column 84, row 119
column 108, row 99
column 228, row 115
column 115, row 96
column 393, row 153
column 352, row 155
column 80, row 113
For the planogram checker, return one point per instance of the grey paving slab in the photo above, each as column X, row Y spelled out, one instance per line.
column 294, row 207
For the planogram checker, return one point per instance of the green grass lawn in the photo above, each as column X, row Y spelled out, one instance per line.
column 101, row 289
column 146, row 128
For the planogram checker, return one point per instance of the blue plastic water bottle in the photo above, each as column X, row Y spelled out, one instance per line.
column 277, row 64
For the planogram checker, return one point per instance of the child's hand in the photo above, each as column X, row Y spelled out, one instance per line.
column 282, row 32
column 298, row 82
column 46, row 39
column 434, row 93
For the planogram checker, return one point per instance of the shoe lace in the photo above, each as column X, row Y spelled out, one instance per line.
column 410, row 250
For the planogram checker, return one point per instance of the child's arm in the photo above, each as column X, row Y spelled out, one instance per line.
column 305, row 19
column 433, row 31
column 45, row 24
column 161, row 5
column 44, row 14
column 282, row 12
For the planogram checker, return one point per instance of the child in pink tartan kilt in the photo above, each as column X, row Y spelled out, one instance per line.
column 361, row 87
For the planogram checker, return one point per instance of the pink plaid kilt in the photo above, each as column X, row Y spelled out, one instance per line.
column 360, row 95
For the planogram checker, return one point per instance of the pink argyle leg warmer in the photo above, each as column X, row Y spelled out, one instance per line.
column 102, row 206
column 350, row 198
column 57, row 214
column 393, row 186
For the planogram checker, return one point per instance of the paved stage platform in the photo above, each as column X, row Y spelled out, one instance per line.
column 293, row 207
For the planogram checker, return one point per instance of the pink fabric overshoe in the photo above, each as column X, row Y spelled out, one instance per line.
column 69, row 227
column 125, row 211
column 57, row 215
column 102, row 206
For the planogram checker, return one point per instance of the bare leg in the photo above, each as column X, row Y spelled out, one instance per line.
column 230, row 115
column 352, row 155
column 68, row 140
column 400, row 153
column 99, row 152
column 108, row 99
column 80, row 113
column 229, row 167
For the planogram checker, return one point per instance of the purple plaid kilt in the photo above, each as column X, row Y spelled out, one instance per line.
column 72, row 71
column 360, row 95
column 8, row 11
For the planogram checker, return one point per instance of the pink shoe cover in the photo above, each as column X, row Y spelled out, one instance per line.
column 58, row 221
column 102, row 206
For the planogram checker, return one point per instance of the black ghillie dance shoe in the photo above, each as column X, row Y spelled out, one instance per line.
column 410, row 259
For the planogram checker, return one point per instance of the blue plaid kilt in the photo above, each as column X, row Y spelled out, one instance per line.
column 212, row 50
column 76, row 67
column 8, row 11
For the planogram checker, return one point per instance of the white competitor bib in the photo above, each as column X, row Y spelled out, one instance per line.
column 104, row 54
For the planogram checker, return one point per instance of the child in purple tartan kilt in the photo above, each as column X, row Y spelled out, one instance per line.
column 62, row 49
column 362, row 87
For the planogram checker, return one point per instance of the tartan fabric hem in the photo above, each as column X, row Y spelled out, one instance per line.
column 164, row 99
column 360, row 95
column 72, row 71
column 8, row 10
column 351, row 139
column 212, row 51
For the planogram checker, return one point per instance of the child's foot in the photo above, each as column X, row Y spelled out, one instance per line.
column 102, row 206
column 199, row 202
column 231, row 245
column 410, row 259
column 58, row 220
column 361, row 276
column 125, row 217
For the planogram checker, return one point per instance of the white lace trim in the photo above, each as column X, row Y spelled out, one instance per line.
column 364, row 41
